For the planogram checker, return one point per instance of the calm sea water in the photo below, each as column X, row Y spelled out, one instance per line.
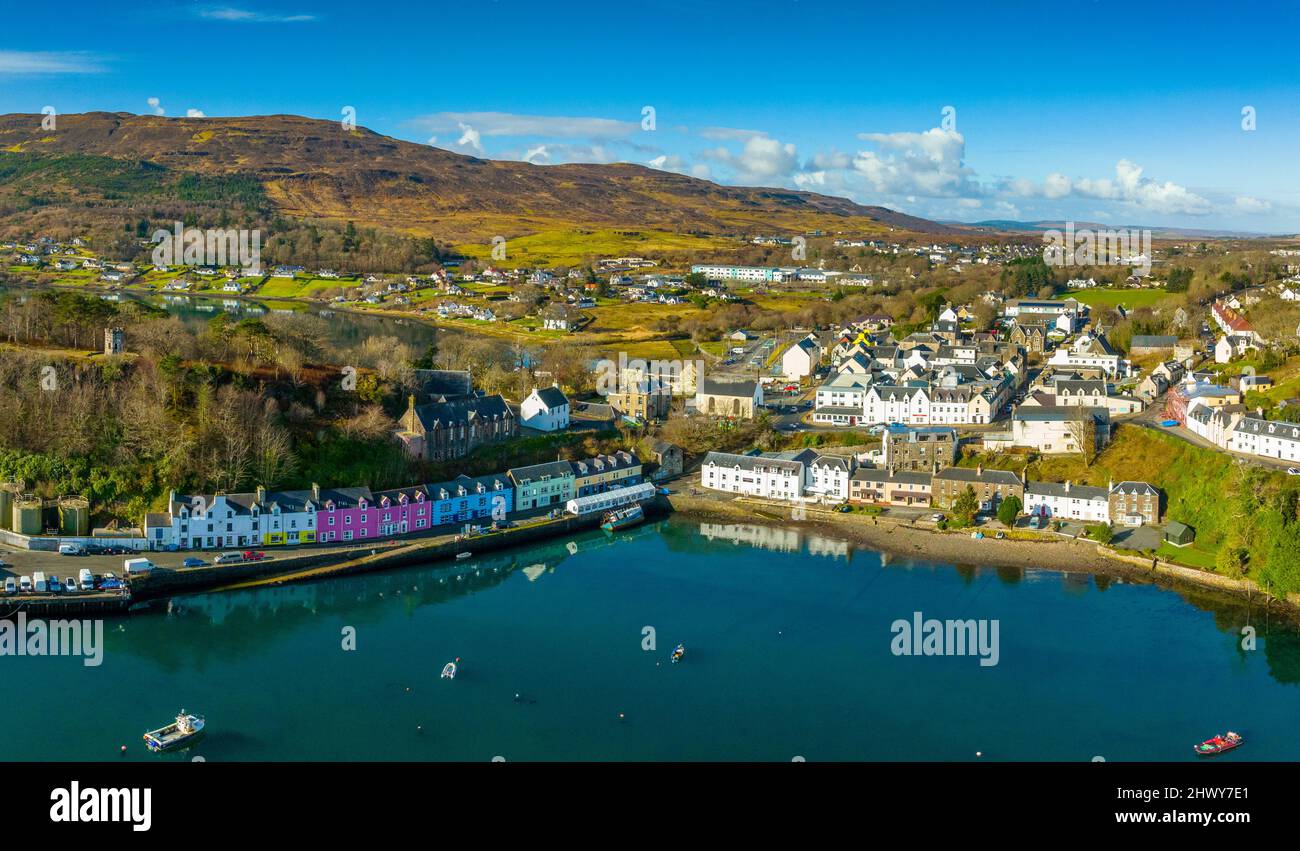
column 788, row 655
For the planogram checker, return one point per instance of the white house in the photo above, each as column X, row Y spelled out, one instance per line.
column 828, row 477
column 1267, row 438
column 545, row 409
column 773, row 476
column 801, row 359
column 1068, row 502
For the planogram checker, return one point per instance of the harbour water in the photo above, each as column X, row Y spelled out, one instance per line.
column 788, row 638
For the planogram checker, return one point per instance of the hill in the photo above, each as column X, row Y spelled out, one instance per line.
column 119, row 164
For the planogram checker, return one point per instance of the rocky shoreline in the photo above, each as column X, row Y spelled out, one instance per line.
column 958, row 548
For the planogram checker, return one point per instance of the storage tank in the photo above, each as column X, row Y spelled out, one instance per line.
column 74, row 516
column 27, row 514
column 8, row 490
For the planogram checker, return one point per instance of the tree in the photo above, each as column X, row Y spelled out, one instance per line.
column 1101, row 533
column 965, row 507
column 1009, row 510
column 1082, row 425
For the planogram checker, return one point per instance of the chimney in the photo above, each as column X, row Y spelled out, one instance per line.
column 315, row 492
column 261, row 494
column 1110, row 485
column 979, row 469
column 1260, row 411
column 1067, row 485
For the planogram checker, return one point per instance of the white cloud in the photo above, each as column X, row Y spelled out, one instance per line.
column 1252, row 206
column 512, row 124
column 537, row 155
column 729, row 134
column 42, row 62
column 928, row 164
column 245, row 16
column 156, row 105
column 1131, row 187
column 761, row 160
column 194, row 113
column 470, row 139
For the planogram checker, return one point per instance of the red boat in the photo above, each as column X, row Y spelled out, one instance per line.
column 1219, row 744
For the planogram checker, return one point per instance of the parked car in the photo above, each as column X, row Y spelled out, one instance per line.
column 54, row 585
column 86, row 579
column 71, row 550
column 228, row 558
column 110, row 583
column 95, row 549
column 936, row 517
column 25, row 585
column 254, row 555
column 1035, row 522
column 1292, row 471
column 193, row 562
column 69, row 585
column 11, row 587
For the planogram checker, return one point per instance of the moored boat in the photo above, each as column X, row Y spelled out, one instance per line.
column 621, row 518
column 678, row 652
column 183, row 732
column 1219, row 744
column 449, row 670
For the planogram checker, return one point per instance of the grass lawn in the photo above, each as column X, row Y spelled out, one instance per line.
column 1130, row 299
column 1190, row 555
column 577, row 246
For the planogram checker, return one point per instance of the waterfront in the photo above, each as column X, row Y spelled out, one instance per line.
column 788, row 654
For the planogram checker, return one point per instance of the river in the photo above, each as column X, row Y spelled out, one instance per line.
column 788, row 638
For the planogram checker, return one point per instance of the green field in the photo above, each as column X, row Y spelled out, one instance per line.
column 1130, row 299
column 574, row 247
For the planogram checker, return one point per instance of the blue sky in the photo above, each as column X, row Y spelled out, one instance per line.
column 1119, row 112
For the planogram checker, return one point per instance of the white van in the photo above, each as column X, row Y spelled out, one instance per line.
column 228, row 558
column 71, row 550
column 25, row 585
column 38, row 579
column 86, row 579
column 137, row 566
column 11, row 587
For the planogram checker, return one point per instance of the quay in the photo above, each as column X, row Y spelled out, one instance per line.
column 309, row 563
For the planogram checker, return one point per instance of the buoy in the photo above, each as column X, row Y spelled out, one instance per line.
column 979, row 753
column 408, row 688
column 621, row 717
column 123, row 748
column 419, row 728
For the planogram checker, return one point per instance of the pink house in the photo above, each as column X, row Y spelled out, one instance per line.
column 346, row 514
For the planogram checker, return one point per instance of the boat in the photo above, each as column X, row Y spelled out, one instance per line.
column 449, row 670
column 460, row 556
column 621, row 518
column 1219, row 744
column 678, row 652
column 183, row 732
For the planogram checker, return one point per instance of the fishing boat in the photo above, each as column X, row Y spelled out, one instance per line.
column 621, row 518
column 183, row 732
column 678, row 652
column 449, row 670
column 1219, row 744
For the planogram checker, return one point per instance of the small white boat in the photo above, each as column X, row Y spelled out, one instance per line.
column 460, row 556
column 449, row 670
column 185, row 731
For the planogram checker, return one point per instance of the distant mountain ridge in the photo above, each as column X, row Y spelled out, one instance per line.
column 314, row 169
column 1157, row 231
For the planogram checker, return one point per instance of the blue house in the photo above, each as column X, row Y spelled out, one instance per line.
column 464, row 499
